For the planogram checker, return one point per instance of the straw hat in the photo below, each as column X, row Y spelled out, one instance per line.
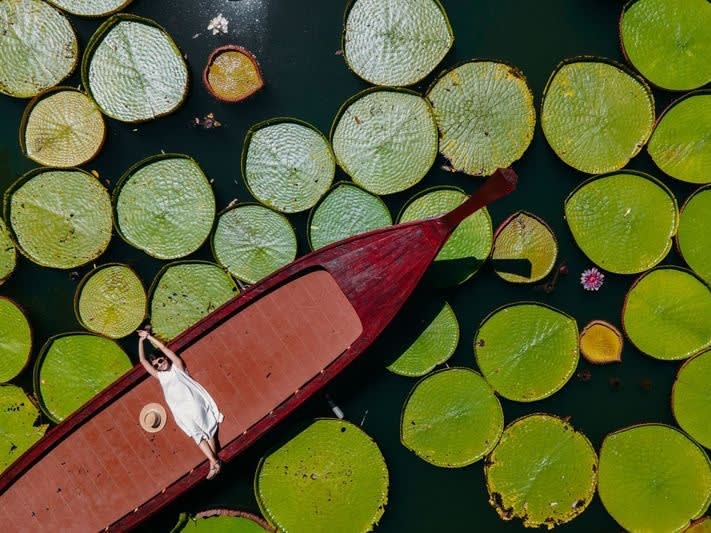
column 153, row 417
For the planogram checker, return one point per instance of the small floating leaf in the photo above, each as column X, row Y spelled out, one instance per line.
column 467, row 248
column 525, row 236
column 681, row 143
column 133, row 69
column 165, row 206
column 17, row 417
column 222, row 521
column 344, row 211
column 330, row 477
column 542, row 471
column 287, row 164
column 395, row 42
column 451, row 418
column 667, row 314
column 38, row 47
column 15, row 340
column 485, row 114
column 596, row 115
column 623, row 221
column 601, row 342
column 63, row 128
column 183, row 292
column 111, row 301
column 60, row 218
column 386, row 140
column 668, row 41
column 72, row 368
column 8, row 255
column 653, row 478
column 252, row 241
column 693, row 237
column 91, row 8
column 232, row 74
column 691, row 398
column 532, row 360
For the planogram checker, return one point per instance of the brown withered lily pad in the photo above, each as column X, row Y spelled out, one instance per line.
column 601, row 342
column 232, row 74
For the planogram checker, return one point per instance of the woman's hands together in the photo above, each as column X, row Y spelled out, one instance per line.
column 142, row 334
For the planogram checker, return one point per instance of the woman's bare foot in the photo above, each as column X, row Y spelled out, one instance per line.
column 214, row 470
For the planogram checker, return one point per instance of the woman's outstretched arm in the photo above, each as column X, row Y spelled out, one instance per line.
column 142, row 355
column 170, row 354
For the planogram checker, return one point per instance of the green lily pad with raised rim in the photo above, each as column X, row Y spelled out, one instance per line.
column 623, row 221
column 466, row 249
column 18, row 415
column 667, row 313
column 485, row 114
column 395, row 42
column 596, row 114
column 436, row 342
column 15, row 340
column 111, row 301
column 451, row 418
column 165, row 206
column 8, row 254
column 691, row 398
column 543, row 471
column 133, row 69
column 344, row 211
column 525, row 236
column 60, row 218
column 183, row 292
column 72, row 368
column 330, row 477
column 693, row 237
column 62, row 127
column 653, row 478
column 91, row 8
column 385, row 139
column 252, row 241
column 38, row 47
column 527, row 350
column 221, row 521
column 681, row 142
column 668, row 41
column 287, row 164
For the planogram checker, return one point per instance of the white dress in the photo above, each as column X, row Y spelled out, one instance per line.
column 193, row 408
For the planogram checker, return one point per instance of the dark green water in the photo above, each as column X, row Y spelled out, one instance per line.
column 296, row 43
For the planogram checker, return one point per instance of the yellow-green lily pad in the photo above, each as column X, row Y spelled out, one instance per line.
column 691, row 398
column 15, row 340
column 221, row 521
column 18, row 415
column 8, row 254
column 693, row 237
column 91, row 8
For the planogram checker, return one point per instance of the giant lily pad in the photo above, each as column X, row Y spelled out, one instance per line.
column 91, row 8
column 183, row 292
column 596, row 115
column 17, row 418
column 601, row 343
column 111, row 301
column 386, row 140
column 222, row 521
column 691, row 398
column 134, row 70
column 252, row 241
column 467, row 248
column 60, row 218
column 623, row 221
column 62, row 127
column 38, row 47
column 542, row 471
column 15, row 340
column 693, row 237
column 344, row 211
column 330, row 477
column 667, row 313
column 74, row 367
column 287, row 164
column 681, row 142
column 395, row 42
column 653, row 478
column 451, row 418
column 525, row 236
column 165, row 206
column 485, row 114
column 8, row 255
column 668, row 41
column 527, row 350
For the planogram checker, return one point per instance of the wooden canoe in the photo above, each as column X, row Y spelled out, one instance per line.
column 260, row 356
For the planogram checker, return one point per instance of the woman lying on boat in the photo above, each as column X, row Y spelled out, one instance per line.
column 193, row 408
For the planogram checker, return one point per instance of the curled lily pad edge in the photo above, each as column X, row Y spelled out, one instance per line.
column 185, row 517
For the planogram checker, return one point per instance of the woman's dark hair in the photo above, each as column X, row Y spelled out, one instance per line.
column 152, row 356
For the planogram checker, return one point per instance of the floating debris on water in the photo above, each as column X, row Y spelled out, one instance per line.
column 207, row 122
column 219, row 24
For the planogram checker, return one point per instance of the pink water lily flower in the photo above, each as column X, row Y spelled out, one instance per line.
column 591, row 279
